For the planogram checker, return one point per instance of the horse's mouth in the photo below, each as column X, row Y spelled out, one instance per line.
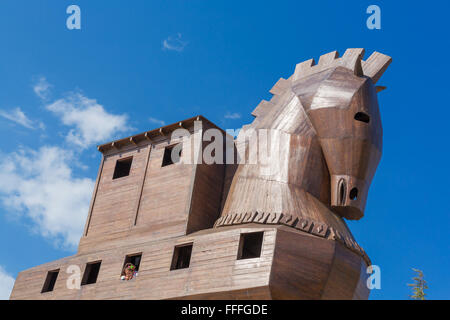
column 347, row 196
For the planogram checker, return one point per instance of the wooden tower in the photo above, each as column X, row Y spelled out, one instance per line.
column 272, row 230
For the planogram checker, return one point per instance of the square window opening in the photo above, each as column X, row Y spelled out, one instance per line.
column 171, row 155
column 250, row 245
column 134, row 259
column 50, row 281
column 91, row 273
column 181, row 256
column 123, row 167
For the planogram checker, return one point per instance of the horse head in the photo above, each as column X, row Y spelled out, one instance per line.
column 339, row 96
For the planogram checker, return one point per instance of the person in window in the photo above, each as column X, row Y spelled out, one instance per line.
column 128, row 272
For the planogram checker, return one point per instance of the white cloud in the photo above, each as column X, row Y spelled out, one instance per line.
column 42, row 88
column 6, row 284
column 174, row 43
column 18, row 116
column 40, row 185
column 92, row 124
column 157, row 121
column 233, row 116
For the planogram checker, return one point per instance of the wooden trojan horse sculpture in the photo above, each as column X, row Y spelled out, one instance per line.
column 326, row 122
column 270, row 229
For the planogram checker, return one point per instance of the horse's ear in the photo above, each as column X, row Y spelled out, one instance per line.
column 380, row 88
column 376, row 65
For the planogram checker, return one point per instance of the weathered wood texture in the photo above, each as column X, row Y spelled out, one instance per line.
column 323, row 137
column 213, row 268
column 283, row 271
column 154, row 201
column 324, row 152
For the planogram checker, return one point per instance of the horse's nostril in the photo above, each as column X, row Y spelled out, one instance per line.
column 354, row 194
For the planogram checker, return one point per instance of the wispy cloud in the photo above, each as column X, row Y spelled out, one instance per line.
column 90, row 121
column 18, row 116
column 6, row 284
column 157, row 121
column 233, row 116
column 41, row 185
column 174, row 43
column 42, row 88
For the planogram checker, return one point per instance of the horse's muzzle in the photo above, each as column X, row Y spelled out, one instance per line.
column 348, row 196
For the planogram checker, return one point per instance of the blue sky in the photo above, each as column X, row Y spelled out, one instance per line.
column 136, row 65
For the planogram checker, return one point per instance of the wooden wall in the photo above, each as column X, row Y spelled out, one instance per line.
column 315, row 268
column 292, row 265
column 207, row 193
column 213, row 268
column 114, row 207
column 153, row 202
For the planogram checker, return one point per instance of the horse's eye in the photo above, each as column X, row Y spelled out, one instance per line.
column 361, row 116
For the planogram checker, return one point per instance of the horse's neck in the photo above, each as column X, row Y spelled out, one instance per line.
column 284, row 113
column 296, row 182
column 298, row 157
column 295, row 166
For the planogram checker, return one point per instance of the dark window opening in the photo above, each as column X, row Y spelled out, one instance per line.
column 91, row 273
column 181, row 257
column 363, row 117
column 131, row 266
column 123, row 167
column 50, row 281
column 134, row 259
column 250, row 245
column 354, row 194
column 171, row 157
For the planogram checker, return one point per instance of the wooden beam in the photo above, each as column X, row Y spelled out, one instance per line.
column 141, row 186
column 147, row 136
column 94, row 196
